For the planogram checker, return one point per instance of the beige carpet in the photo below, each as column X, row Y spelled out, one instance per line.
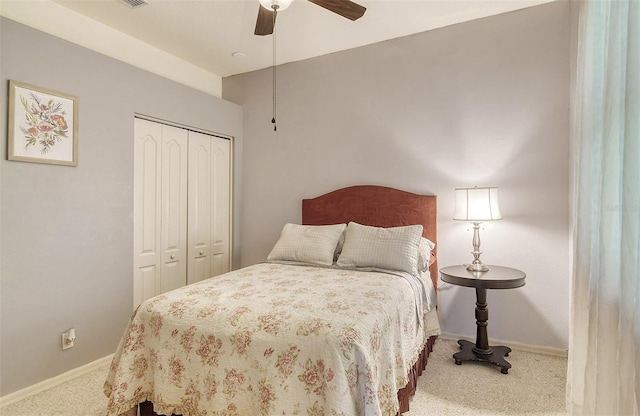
column 534, row 386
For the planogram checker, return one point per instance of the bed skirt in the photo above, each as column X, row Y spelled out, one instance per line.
column 404, row 394
column 407, row 392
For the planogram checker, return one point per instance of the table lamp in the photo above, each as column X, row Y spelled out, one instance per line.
column 477, row 205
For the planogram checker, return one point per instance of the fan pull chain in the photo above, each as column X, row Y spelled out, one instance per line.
column 273, row 120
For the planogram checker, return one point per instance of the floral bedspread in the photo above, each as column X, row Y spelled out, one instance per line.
column 271, row 339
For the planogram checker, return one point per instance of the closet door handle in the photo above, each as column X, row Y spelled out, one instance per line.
column 201, row 253
column 173, row 256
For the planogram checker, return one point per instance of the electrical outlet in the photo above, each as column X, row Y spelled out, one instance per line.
column 68, row 339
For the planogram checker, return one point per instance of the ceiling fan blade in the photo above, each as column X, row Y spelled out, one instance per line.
column 345, row 8
column 265, row 22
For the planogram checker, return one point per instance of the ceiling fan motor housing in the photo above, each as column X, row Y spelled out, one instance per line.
column 278, row 5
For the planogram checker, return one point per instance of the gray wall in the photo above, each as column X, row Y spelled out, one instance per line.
column 67, row 232
column 479, row 103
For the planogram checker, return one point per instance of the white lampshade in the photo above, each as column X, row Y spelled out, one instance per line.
column 477, row 204
column 281, row 4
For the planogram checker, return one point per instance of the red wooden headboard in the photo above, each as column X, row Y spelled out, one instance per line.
column 377, row 206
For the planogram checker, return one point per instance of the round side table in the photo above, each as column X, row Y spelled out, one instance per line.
column 497, row 277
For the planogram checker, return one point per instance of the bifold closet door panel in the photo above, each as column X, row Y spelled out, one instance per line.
column 199, row 207
column 175, row 151
column 146, row 209
column 221, row 203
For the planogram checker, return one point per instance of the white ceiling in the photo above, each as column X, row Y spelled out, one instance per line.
column 207, row 32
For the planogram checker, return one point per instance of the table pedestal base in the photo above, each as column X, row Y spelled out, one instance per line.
column 493, row 355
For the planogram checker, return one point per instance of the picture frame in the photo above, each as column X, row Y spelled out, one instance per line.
column 43, row 125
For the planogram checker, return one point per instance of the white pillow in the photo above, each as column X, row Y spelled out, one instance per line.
column 424, row 254
column 312, row 244
column 393, row 248
column 340, row 244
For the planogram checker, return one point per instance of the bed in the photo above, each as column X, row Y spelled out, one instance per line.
column 339, row 320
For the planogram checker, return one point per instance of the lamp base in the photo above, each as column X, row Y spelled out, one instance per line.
column 477, row 267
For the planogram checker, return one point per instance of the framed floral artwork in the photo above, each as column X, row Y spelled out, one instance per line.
column 43, row 125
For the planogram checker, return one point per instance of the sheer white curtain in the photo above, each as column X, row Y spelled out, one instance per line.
column 604, row 355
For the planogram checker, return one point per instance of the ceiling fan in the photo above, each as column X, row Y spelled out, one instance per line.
column 270, row 8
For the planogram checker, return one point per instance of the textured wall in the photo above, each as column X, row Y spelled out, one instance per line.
column 67, row 232
column 478, row 103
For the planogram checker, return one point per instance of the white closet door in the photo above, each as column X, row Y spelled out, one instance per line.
column 221, row 202
column 174, row 208
column 160, row 209
column 199, row 205
column 182, row 196
column 147, row 209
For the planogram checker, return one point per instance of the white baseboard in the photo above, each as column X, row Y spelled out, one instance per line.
column 538, row 349
column 53, row 382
